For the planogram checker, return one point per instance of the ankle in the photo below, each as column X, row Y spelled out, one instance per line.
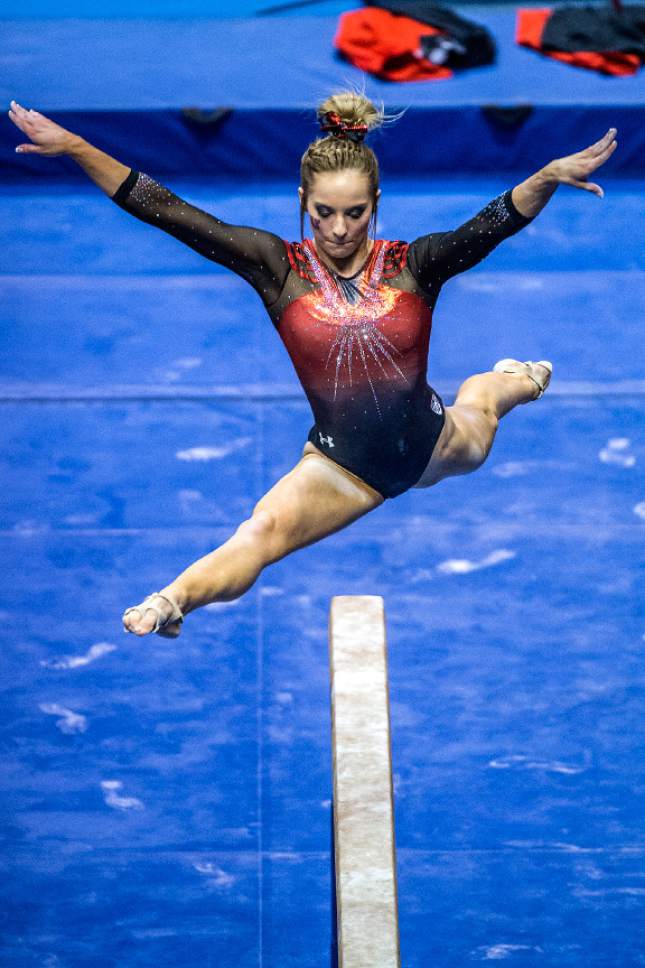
column 177, row 595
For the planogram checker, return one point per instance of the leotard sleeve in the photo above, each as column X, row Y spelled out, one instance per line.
column 259, row 257
column 434, row 258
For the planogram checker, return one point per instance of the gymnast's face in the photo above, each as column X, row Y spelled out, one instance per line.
column 340, row 205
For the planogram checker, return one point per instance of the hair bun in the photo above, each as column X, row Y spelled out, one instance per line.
column 349, row 115
column 332, row 122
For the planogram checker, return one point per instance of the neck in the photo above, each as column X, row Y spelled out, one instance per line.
column 352, row 263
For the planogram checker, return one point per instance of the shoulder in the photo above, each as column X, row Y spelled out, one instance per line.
column 299, row 260
column 395, row 257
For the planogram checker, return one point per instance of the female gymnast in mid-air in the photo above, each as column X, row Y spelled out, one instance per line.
column 354, row 313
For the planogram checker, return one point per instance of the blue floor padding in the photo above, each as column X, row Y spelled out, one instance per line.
column 168, row 803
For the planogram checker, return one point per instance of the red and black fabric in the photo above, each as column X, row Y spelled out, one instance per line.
column 299, row 261
column 601, row 39
column 396, row 257
column 387, row 45
column 384, row 39
column 460, row 43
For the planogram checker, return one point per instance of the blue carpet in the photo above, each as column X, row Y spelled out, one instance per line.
column 169, row 802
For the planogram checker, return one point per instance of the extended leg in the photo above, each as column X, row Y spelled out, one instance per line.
column 314, row 500
column 472, row 421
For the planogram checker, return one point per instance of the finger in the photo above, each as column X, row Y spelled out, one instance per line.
column 607, row 152
column 588, row 187
column 601, row 145
column 16, row 118
column 21, row 119
column 18, row 108
column 29, row 150
column 26, row 116
column 603, row 157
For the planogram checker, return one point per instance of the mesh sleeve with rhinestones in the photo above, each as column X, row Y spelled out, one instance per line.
column 435, row 258
column 259, row 257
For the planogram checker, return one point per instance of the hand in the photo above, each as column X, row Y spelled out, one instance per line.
column 47, row 137
column 575, row 169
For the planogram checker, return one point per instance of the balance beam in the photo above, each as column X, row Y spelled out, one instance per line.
column 365, row 859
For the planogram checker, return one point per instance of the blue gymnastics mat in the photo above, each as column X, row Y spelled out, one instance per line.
column 169, row 802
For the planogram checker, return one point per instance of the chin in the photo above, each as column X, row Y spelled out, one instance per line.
column 347, row 248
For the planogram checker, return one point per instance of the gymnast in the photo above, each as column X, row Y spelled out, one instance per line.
column 354, row 313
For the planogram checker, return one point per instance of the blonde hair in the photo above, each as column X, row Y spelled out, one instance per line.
column 340, row 151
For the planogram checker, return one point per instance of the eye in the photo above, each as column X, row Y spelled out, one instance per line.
column 356, row 213
column 323, row 211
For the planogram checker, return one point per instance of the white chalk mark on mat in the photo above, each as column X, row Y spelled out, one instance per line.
column 498, row 952
column 70, row 722
column 213, row 453
column 81, row 519
column 526, row 763
column 29, row 527
column 284, row 698
column 188, row 497
column 74, row 661
column 182, row 365
column 514, row 468
column 617, row 452
column 113, row 799
column 639, row 510
column 635, row 891
column 552, row 845
column 463, row 566
column 217, row 876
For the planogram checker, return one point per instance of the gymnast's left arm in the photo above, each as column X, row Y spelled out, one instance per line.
column 532, row 195
column 435, row 258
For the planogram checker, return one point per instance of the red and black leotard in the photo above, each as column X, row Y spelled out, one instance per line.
column 359, row 345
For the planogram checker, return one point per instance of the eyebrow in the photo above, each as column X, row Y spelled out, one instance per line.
column 350, row 209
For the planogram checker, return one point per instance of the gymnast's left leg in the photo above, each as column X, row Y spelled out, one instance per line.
column 312, row 501
column 472, row 421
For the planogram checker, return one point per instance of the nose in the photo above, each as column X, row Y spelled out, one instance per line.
column 339, row 228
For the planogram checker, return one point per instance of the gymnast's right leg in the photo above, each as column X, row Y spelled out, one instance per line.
column 313, row 500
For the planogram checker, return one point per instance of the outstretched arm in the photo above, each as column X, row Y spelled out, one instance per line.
column 49, row 140
column 435, row 258
column 532, row 195
column 257, row 256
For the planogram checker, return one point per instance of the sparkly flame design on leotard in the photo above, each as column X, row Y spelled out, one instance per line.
column 358, row 338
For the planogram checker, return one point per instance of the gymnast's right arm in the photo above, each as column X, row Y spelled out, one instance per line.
column 257, row 256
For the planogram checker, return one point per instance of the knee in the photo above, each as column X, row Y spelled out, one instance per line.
column 262, row 533
column 491, row 419
column 260, row 527
column 479, row 427
column 478, row 451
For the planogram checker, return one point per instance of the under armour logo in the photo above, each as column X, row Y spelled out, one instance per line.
column 326, row 440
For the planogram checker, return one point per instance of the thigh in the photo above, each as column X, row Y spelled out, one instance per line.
column 463, row 445
column 313, row 500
